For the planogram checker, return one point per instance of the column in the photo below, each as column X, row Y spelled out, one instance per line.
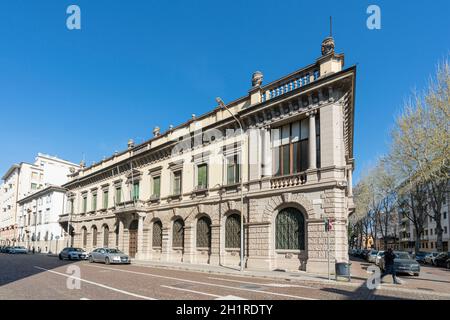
column 312, row 139
column 166, row 245
column 215, row 245
column 267, row 153
column 350, row 181
column 140, row 236
column 188, row 250
column 121, row 231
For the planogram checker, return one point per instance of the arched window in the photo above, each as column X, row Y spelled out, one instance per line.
column 94, row 236
column 105, row 236
column 204, row 232
column 157, row 234
column 233, row 231
column 84, row 232
column 178, row 234
column 290, row 230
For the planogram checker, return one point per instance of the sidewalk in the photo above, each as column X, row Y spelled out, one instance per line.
column 359, row 277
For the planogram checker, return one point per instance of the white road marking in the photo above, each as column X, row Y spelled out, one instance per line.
column 275, row 285
column 231, row 298
column 97, row 284
column 206, row 283
column 192, row 291
column 85, row 299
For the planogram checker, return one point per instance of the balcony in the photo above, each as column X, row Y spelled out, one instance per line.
column 129, row 206
column 288, row 181
column 293, row 82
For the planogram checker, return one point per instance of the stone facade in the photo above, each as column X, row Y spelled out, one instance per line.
column 143, row 195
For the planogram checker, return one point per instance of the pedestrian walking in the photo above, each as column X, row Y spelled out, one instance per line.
column 33, row 250
column 389, row 268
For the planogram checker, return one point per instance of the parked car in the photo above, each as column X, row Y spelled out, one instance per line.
column 442, row 260
column 380, row 254
column 18, row 250
column 372, row 255
column 73, row 254
column 109, row 256
column 420, row 257
column 403, row 263
column 429, row 258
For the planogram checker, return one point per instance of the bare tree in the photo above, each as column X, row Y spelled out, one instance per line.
column 420, row 149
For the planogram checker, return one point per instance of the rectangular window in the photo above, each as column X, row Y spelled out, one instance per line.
column 177, row 183
column 290, row 148
column 105, row 199
column 84, row 204
column 233, row 174
column 431, row 232
column 318, row 162
column 445, row 215
column 202, row 176
column 135, row 195
column 71, row 201
column 157, row 186
column 445, row 230
column 33, row 186
column 118, row 195
column 94, row 202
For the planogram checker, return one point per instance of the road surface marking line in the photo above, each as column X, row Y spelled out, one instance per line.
column 207, row 283
column 273, row 285
column 192, row 291
column 97, row 284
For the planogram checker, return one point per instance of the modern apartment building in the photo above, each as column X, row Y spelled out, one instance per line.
column 429, row 236
column 177, row 197
column 24, row 179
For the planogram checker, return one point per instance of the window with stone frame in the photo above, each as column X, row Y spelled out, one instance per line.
column 157, row 186
column 84, row 232
column 233, row 231
column 94, row 201
column 118, row 197
column 105, row 236
column 157, row 234
column 202, row 176
column 204, row 232
column 177, row 181
column 94, row 236
column 84, row 206
column 178, row 234
column 290, row 230
column 233, row 169
column 136, row 191
column 105, row 199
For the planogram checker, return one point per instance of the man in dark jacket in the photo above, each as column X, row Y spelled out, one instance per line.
column 389, row 257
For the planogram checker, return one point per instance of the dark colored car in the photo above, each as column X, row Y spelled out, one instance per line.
column 73, row 254
column 403, row 263
column 442, row 260
column 420, row 257
column 6, row 249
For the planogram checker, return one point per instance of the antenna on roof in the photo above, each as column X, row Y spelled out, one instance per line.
column 331, row 26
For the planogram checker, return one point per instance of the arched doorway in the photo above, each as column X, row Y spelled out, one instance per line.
column 133, row 235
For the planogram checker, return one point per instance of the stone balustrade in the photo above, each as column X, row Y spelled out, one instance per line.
column 294, row 82
column 288, row 181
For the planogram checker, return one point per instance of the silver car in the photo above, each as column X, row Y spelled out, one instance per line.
column 18, row 250
column 109, row 256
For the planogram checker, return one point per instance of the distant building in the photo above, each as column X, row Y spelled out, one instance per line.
column 429, row 236
column 23, row 180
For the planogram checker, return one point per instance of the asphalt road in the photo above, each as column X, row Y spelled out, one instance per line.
column 39, row 277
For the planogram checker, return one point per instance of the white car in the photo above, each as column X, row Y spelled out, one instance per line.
column 429, row 258
column 380, row 254
column 372, row 255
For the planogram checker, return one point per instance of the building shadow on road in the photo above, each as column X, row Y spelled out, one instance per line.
column 361, row 293
column 17, row 267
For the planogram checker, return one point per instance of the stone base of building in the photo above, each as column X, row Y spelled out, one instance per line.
column 319, row 266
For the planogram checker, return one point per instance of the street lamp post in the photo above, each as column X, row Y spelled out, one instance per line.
column 224, row 107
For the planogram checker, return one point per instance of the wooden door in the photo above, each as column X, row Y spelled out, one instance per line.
column 133, row 244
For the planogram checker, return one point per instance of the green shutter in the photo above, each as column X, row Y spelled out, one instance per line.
column 136, row 191
column 203, row 175
column 105, row 199
column 157, row 186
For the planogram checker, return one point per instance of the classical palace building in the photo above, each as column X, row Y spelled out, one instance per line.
column 177, row 196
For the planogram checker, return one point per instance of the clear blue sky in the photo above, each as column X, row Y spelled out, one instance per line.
column 138, row 64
